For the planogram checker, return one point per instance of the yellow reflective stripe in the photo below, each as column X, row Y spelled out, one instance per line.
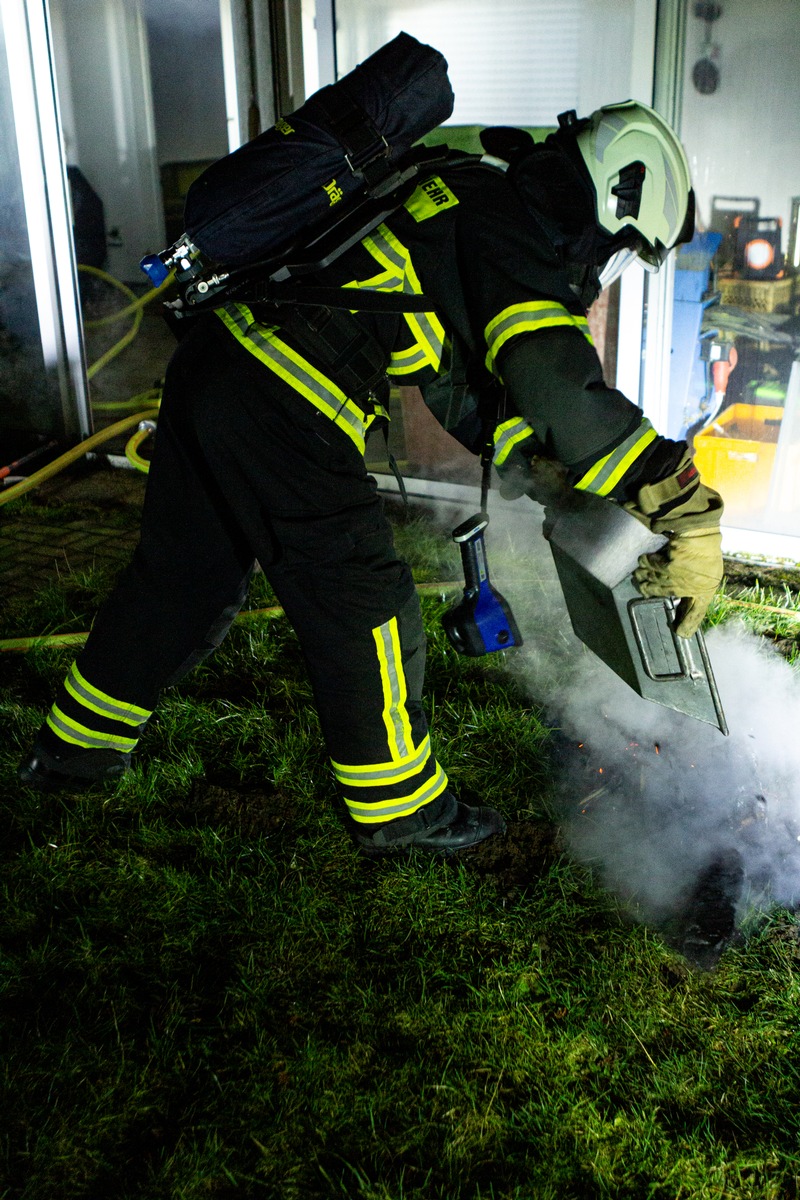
column 387, row 281
column 426, row 327
column 410, row 353
column 393, row 683
column 72, row 731
column 507, row 435
column 378, row 774
column 606, row 473
column 429, row 333
column 405, row 362
column 389, row 250
column 528, row 317
column 262, row 342
column 380, row 411
column 399, row 275
column 384, row 810
column 101, row 703
column 391, row 259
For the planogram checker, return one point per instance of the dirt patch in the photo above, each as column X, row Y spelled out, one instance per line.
column 742, row 575
column 787, row 646
column 516, row 861
column 706, row 924
column 256, row 813
column 784, row 930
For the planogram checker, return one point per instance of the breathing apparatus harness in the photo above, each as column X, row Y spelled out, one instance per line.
column 321, row 319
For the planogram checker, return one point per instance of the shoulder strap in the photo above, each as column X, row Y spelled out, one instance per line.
column 267, row 282
column 352, row 299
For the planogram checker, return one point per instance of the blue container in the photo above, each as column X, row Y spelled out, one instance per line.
column 693, row 266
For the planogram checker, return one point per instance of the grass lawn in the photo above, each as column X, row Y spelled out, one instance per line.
column 206, row 993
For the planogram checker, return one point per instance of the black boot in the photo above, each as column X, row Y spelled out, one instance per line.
column 466, row 826
column 48, row 769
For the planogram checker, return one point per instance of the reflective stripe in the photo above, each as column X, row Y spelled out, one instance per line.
column 606, row 473
column 378, row 774
column 404, row 362
column 407, row 763
column 380, row 411
column 507, row 436
column 429, row 334
column 101, row 703
column 528, row 317
column 384, row 810
column 393, row 682
column 427, row 329
column 398, row 275
column 289, row 365
column 389, row 251
column 72, row 731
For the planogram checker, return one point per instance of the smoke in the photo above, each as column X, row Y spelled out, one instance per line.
column 650, row 797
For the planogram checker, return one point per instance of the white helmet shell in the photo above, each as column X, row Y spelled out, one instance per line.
column 640, row 174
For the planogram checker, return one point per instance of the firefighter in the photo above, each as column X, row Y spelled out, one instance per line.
column 260, row 445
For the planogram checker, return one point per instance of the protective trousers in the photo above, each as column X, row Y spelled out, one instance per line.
column 246, row 469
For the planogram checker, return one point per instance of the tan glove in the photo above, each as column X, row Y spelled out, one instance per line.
column 690, row 565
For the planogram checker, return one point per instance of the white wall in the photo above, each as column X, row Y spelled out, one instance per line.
column 744, row 139
column 517, row 62
column 186, row 70
column 104, row 76
column 606, row 48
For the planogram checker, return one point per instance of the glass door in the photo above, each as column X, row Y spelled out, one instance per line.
column 732, row 383
column 42, row 388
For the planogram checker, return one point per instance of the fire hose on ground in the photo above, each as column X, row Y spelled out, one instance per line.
column 57, row 641
column 71, row 456
column 148, row 400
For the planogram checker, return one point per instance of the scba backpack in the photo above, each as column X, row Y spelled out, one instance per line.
column 321, row 177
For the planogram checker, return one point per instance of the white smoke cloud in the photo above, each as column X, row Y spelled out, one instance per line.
column 674, row 794
column 651, row 797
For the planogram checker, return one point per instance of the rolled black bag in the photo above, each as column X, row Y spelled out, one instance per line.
column 254, row 203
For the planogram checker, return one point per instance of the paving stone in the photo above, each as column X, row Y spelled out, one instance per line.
column 33, row 555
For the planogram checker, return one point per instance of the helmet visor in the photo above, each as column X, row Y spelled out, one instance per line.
column 652, row 257
column 613, row 268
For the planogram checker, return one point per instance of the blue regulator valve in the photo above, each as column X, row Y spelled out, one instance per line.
column 482, row 621
column 182, row 257
column 154, row 269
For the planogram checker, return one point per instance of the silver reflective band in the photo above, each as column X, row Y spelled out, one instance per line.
column 102, row 704
column 289, row 365
column 508, row 435
column 77, row 734
column 384, row 773
column 384, row 810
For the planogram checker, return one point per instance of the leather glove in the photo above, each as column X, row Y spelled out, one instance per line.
column 690, row 565
column 543, row 479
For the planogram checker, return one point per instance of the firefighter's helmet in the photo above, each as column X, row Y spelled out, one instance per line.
column 640, row 175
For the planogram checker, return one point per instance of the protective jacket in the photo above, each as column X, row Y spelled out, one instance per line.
column 259, row 456
column 507, row 334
